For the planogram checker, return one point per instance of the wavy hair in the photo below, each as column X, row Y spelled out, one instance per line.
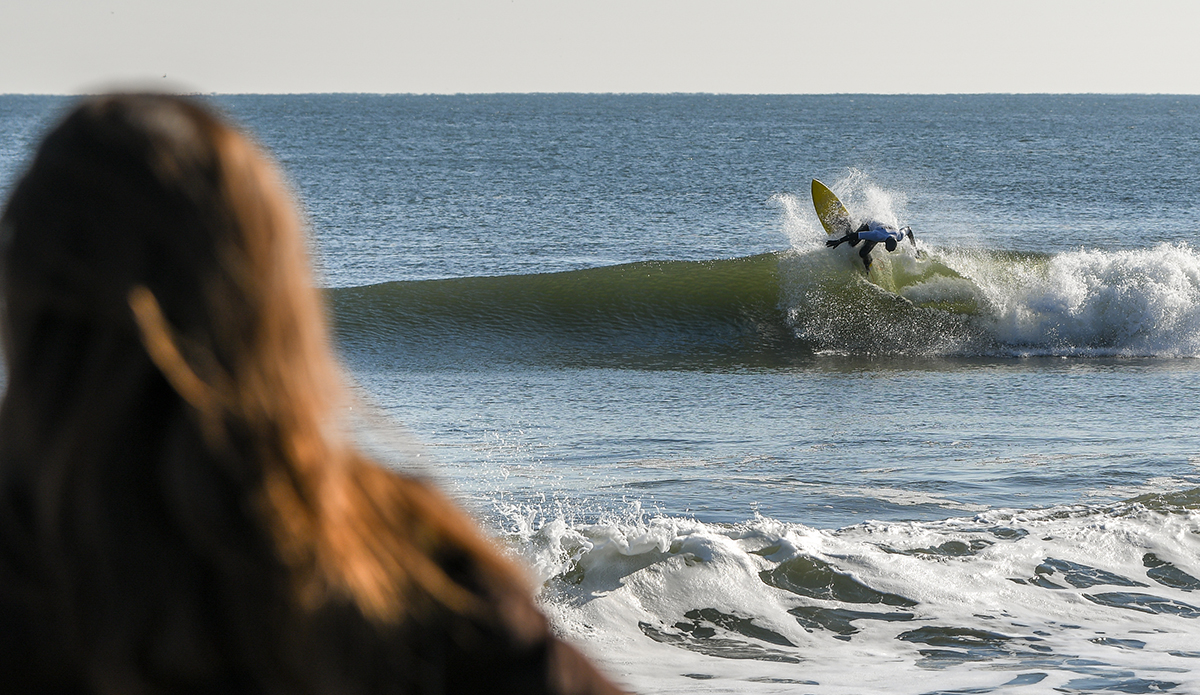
column 181, row 509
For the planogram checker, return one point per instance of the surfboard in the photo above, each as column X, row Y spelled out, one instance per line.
column 834, row 216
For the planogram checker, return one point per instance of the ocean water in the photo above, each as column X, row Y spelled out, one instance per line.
column 733, row 463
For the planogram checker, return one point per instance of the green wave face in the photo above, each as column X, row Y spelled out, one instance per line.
column 640, row 314
column 906, row 305
column 774, row 309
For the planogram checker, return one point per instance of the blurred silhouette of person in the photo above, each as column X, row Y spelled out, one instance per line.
column 182, row 509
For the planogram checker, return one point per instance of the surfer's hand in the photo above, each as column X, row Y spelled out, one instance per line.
column 833, row 243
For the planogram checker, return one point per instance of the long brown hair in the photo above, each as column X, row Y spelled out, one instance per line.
column 180, row 507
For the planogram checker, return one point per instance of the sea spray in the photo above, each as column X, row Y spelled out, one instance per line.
column 975, row 301
column 1141, row 302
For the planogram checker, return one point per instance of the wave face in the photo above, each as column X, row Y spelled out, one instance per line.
column 643, row 314
column 772, row 308
column 1070, row 599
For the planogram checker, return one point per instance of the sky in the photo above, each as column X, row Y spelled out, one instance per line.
column 479, row 46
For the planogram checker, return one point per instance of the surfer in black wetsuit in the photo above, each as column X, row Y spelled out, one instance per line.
column 870, row 234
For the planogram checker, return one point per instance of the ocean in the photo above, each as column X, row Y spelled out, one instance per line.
column 608, row 325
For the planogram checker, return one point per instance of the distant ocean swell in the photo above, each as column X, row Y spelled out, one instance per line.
column 770, row 308
column 1083, row 599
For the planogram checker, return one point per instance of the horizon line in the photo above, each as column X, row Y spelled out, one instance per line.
column 133, row 89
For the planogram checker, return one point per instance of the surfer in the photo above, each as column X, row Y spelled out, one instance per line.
column 870, row 234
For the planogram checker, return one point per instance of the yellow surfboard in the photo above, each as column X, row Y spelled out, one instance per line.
column 833, row 215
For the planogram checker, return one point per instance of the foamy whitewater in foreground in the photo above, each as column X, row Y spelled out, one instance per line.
column 610, row 327
column 1074, row 598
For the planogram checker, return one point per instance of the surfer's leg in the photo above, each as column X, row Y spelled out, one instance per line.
column 865, row 253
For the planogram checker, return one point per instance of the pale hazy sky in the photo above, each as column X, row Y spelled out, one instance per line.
column 750, row 46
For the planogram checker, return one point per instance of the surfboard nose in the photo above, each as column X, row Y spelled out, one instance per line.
column 834, row 216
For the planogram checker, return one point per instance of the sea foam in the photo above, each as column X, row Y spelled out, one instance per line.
column 1102, row 597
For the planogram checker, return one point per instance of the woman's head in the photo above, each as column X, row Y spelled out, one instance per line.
column 145, row 218
column 162, row 331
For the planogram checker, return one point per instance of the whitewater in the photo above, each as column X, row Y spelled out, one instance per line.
column 608, row 325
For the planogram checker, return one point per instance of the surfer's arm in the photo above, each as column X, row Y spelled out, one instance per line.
column 852, row 237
